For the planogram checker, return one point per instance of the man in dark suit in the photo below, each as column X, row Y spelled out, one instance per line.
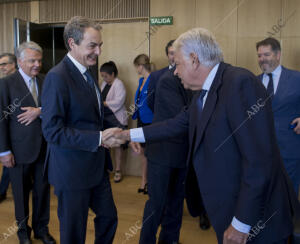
column 233, row 153
column 22, row 145
column 283, row 86
column 76, row 161
column 166, row 167
column 155, row 76
column 8, row 66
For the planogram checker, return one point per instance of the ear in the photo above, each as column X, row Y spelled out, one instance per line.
column 278, row 55
column 71, row 43
column 194, row 60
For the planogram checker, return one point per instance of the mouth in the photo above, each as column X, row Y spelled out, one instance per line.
column 93, row 58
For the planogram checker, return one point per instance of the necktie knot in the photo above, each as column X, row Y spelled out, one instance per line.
column 202, row 94
column 89, row 78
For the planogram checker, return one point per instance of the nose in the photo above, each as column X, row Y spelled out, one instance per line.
column 98, row 50
column 37, row 62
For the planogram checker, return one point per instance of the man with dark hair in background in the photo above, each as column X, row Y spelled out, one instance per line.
column 155, row 76
column 8, row 66
column 166, row 167
column 283, row 87
column 22, row 146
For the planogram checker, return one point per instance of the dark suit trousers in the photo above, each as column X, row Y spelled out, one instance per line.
column 73, row 208
column 165, row 204
column 292, row 167
column 4, row 181
column 24, row 178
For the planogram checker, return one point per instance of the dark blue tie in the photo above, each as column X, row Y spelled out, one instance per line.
column 270, row 87
column 200, row 102
column 94, row 88
column 90, row 79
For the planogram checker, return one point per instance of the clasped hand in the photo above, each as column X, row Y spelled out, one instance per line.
column 110, row 137
column 114, row 137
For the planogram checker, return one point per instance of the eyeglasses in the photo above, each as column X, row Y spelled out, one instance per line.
column 4, row 64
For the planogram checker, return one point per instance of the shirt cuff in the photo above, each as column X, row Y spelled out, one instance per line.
column 137, row 135
column 239, row 226
column 5, row 153
column 100, row 137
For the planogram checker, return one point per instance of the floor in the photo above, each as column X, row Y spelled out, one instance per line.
column 130, row 207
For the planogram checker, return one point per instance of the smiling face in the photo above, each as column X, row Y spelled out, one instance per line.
column 268, row 60
column 88, row 49
column 30, row 62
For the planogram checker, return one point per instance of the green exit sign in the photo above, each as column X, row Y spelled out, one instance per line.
column 163, row 20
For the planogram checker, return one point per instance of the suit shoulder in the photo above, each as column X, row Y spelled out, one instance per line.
column 156, row 74
column 238, row 75
column 294, row 73
column 58, row 71
column 168, row 81
column 10, row 79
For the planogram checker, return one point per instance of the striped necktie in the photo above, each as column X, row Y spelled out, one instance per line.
column 33, row 90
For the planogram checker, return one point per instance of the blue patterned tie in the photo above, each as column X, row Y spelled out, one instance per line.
column 93, row 86
column 200, row 102
column 270, row 87
column 90, row 79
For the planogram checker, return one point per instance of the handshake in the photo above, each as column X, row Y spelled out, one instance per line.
column 114, row 137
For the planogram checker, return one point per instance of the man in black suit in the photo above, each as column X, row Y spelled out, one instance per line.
column 8, row 66
column 233, row 154
column 76, row 161
column 155, row 76
column 166, row 167
column 22, row 145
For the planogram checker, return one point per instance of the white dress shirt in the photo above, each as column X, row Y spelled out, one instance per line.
column 137, row 135
column 276, row 76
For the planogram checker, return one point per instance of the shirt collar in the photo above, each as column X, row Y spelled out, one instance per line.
column 210, row 78
column 26, row 77
column 78, row 65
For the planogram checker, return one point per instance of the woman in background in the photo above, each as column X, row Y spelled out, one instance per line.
column 142, row 113
column 114, row 96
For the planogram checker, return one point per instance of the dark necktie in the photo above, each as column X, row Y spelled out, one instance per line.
column 90, row 79
column 270, row 87
column 200, row 102
column 91, row 82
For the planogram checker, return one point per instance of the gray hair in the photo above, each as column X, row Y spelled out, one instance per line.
column 27, row 45
column 202, row 43
column 75, row 29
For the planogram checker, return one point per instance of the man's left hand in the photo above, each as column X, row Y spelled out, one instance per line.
column 29, row 115
column 297, row 128
column 233, row 236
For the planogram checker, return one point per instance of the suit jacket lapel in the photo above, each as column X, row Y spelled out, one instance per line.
column 78, row 78
column 25, row 91
column 209, row 106
column 283, row 86
column 39, row 85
